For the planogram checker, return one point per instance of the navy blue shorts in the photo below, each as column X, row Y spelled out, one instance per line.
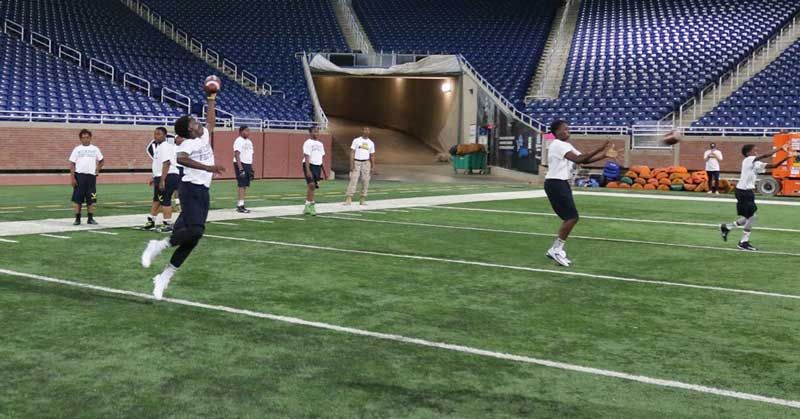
column 560, row 195
column 171, row 185
column 243, row 177
column 745, row 203
column 86, row 191
column 315, row 176
column 194, row 205
column 180, row 172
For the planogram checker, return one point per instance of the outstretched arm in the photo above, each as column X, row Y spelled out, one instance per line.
column 595, row 155
column 185, row 161
column 211, row 116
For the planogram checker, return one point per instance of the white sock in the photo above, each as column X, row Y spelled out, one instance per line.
column 168, row 220
column 308, row 202
column 169, row 272
column 240, row 203
column 150, row 218
column 163, row 244
column 177, row 201
column 745, row 237
column 558, row 245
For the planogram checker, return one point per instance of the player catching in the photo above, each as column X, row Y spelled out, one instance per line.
column 196, row 155
column 562, row 158
column 746, row 206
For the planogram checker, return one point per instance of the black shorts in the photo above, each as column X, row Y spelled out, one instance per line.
column 243, row 180
column 171, row 185
column 194, row 205
column 560, row 195
column 86, row 191
column 180, row 172
column 745, row 203
column 315, row 176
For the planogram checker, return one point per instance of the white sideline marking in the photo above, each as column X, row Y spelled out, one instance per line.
column 427, row 343
column 57, row 209
column 528, row 233
column 55, row 237
column 420, row 209
column 682, row 198
column 515, row 268
column 223, row 223
column 594, row 217
column 10, row 212
column 292, row 218
column 349, row 214
column 8, row 241
column 108, row 233
column 374, row 212
column 255, row 220
column 397, row 210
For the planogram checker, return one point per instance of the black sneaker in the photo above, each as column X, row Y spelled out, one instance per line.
column 77, row 223
column 166, row 228
column 92, row 222
column 747, row 246
column 149, row 225
column 242, row 210
column 724, row 231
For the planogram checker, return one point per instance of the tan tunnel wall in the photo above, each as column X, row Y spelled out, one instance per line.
column 416, row 106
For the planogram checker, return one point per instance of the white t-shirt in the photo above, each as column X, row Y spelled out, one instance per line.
column 364, row 147
column 750, row 171
column 559, row 167
column 86, row 158
column 163, row 152
column 245, row 148
column 314, row 149
column 198, row 149
column 712, row 165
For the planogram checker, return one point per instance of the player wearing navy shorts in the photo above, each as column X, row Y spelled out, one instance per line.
column 86, row 161
column 165, row 180
column 243, row 166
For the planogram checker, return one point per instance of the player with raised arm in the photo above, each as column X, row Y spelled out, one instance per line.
column 196, row 155
column 562, row 158
column 746, row 206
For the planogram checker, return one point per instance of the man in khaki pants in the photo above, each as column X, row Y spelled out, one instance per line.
column 362, row 162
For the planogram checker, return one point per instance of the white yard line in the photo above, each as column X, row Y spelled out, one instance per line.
column 255, row 220
column 427, row 343
column 420, row 209
column 292, row 218
column 671, row 197
column 594, row 217
column 223, row 223
column 349, row 214
column 107, row 233
column 8, row 241
column 397, row 210
column 53, row 236
column 551, row 235
column 63, row 225
column 10, row 212
column 515, row 268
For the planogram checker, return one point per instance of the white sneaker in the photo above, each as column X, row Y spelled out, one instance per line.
column 560, row 257
column 716, row 193
column 708, row 192
column 154, row 247
column 160, row 283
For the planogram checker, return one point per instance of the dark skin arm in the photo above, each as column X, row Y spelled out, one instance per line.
column 165, row 171
column 100, row 166
column 211, row 117
column 72, row 179
column 185, row 161
column 590, row 157
column 774, row 165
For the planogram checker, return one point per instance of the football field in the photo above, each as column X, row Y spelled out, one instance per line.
column 412, row 311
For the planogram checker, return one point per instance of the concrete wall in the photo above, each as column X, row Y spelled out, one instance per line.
column 46, row 147
column 416, row 106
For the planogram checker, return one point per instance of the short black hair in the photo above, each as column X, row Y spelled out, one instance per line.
column 242, row 128
column 182, row 126
column 162, row 129
column 747, row 148
column 312, row 128
column 85, row 131
column 558, row 123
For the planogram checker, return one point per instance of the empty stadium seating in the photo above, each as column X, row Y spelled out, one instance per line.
column 635, row 61
column 503, row 39
column 262, row 38
column 770, row 99
column 114, row 34
column 67, row 88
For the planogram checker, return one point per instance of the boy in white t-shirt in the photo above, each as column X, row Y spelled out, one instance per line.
column 713, row 157
column 362, row 163
column 243, row 166
column 562, row 158
column 745, row 192
column 313, row 169
column 86, row 161
column 165, row 180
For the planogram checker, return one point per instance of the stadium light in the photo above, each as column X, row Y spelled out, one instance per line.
column 447, row 87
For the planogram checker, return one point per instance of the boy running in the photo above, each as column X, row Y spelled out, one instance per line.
column 86, row 161
column 746, row 206
column 243, row 165
column 313, row 170
column 165, row 180
column 562, row 158
column 196, row 155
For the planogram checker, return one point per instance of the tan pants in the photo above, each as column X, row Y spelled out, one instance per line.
column 363, row 171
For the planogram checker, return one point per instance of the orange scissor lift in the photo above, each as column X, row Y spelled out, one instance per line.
column 785, row 179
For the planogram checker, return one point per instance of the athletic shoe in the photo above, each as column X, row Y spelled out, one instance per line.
column 709, row 192
column 724, row 231
column 160, row 284
column 559, row 257
column 307, row 209
column 564, row 255
column 154, row 247
column 313, row 211
column 242, row 210
column 92, row 222
column 747, row 246
column 348, row 201
column 363, row 202
column 716, row 193
column 76, row 223
column 149, row 225
column 166, row 228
